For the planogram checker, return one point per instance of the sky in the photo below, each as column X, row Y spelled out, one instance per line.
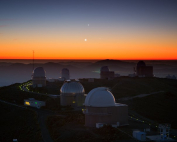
column 88, row 29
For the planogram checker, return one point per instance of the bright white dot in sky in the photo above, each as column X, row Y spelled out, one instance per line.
column 88, row 24
column 85, row 39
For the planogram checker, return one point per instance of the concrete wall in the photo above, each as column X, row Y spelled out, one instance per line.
column 108, row 115
column 39, row 81
column 106, row 75
column 69, row 99
column 146, row 71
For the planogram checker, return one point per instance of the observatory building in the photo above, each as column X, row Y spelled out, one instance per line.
column 38, row 77
column 34, row 103
column 142, row 70
column 105, row 73
column 65, row 74
column 100, row 107
column 72, row 94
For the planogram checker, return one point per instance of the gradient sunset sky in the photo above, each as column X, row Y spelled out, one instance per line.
column 88, row 29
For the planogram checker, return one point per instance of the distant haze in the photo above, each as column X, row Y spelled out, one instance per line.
column 12, row 71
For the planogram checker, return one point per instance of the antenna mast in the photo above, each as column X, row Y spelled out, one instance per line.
column 33, row 60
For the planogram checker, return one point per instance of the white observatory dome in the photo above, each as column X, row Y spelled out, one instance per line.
column 72, row 87
column 104, row 69
column 65, row 74
column 100, row 97
column 39, row 72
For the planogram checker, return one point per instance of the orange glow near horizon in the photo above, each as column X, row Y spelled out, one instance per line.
column 88, row 50
column 123, row 46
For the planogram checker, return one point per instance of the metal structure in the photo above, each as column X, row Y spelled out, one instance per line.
column 164, row 131
column 33, row 59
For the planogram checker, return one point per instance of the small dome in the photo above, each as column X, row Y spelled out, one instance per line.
column 141, row 63
column 39, row 72
column 104, row 69
column 100, row 97
column 72, row 87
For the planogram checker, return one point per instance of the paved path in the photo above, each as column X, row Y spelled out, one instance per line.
column 42, row 117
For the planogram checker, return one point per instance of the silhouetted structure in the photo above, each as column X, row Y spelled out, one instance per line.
column 65, row 74
column 142, row 70
column 38, row 77
column 72, row 94
column 101, row 108
column 105, row 73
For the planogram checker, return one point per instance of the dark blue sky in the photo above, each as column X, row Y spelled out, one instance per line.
column 109, row 20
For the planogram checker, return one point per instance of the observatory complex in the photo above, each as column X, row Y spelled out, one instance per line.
column 72, row 94
column 38, row 77
column 100, row 107
column 65, row 74
column 105, row 73
column 142, row 70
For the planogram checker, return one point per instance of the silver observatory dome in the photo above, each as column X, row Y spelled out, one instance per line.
column 141, row 64
column 100, row 97
column 39, row 72
column 65, row 70
column 104, row 69
column 72, row 87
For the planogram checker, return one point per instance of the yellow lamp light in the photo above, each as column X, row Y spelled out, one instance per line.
column 27, row 103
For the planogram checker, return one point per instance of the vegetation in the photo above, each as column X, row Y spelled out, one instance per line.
column 52, row 88
column 128, row 87
column 70, row 127
column 158, row 107
column 18, row 123
column 14, row 94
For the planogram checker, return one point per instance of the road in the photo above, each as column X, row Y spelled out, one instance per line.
column 42, row 116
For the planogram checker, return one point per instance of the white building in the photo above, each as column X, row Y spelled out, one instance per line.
column 65, row 74
column 100, row 107
column 38, row 77
column 72, row 93
column 141, row 136
column 34, row 103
